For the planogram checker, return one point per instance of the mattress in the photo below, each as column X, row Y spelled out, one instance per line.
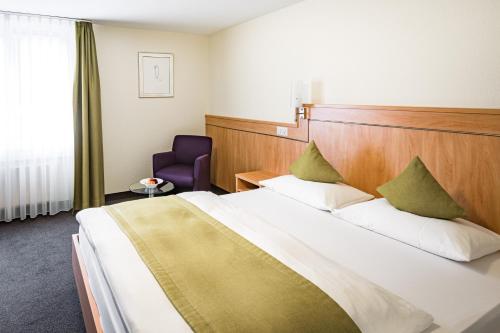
column 460, row 296
column 109, row 313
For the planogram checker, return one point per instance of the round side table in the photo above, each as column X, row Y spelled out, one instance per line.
column 151, row 192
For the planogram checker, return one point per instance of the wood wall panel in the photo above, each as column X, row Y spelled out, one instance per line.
column 296, row 131
column 467, row 166
column 237, row 151
column 222, row 160
column 370, row 145
column 442, row 119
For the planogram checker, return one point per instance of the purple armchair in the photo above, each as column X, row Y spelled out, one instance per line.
column 188, row 164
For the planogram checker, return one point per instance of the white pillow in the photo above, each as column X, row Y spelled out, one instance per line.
column 325, row 196
column 459, row 239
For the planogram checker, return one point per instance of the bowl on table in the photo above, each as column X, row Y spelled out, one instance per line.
column 151, row 183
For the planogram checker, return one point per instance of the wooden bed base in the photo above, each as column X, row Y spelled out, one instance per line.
column 89, row 306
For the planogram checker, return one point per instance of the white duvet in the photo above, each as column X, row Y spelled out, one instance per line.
column 144, row 307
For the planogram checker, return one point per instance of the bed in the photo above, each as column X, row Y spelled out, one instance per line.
column 469, row 303
column 118, row 293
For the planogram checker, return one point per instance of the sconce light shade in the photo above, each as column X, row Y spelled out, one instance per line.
column 300, row 93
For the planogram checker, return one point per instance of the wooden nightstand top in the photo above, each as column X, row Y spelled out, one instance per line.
column 250, row 180
column 253, row 177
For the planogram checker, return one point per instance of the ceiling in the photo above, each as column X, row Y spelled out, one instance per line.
column 194, row 16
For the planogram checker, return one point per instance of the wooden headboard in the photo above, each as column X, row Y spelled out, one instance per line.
column 370, row 145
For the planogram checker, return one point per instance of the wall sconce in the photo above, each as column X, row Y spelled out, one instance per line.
column 300, row 94
column 301, row 113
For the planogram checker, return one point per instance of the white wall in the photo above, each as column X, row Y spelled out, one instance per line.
column 135, row 128
column 385, row 52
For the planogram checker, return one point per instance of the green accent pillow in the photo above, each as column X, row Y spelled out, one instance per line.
column 312, row 166
column 416, row 191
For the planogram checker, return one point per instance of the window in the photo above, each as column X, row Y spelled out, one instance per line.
column 37, row 56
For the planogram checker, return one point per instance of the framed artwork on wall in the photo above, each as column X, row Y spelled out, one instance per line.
column 156, row 74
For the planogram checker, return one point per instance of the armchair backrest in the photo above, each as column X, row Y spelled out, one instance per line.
column 188, row 147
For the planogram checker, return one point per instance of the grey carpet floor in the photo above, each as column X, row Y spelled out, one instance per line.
column 37, row 288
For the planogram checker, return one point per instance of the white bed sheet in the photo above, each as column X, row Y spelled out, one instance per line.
column 461, row 297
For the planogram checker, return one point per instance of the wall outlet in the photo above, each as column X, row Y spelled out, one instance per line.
column 282, row 131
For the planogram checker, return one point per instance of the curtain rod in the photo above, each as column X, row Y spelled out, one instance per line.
column 42, row 15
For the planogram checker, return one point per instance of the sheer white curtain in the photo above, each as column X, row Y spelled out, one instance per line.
column 37, row 56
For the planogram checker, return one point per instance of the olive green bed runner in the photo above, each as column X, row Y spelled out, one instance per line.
column 216, row 279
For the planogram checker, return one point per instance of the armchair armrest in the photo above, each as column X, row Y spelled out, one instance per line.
column 202, row 173
column 162, row 160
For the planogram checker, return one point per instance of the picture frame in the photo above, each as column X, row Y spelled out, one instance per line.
column 156, row 74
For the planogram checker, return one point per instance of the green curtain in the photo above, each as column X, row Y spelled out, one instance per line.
column 89, row 171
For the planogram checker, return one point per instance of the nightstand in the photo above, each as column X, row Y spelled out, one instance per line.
column 250, row 180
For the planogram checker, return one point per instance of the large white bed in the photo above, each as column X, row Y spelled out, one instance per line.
column 462, row 297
